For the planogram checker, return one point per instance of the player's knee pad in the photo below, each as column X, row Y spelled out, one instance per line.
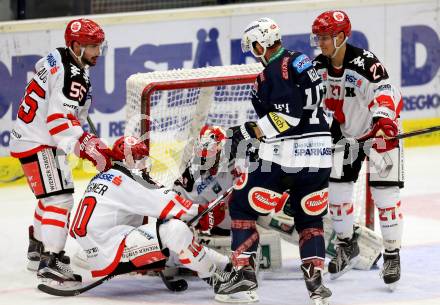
column 142, row 246
column 387, row 200
column 62, row 201
column 340, row 192
column 175, row 235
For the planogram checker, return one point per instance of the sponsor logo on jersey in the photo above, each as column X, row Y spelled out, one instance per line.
column 385, row 87
column 368, row 54
column 280, row 124
column 315, row 203
column 54, row 70
column 301, row 63
column 15, row 134
column 353, row 80
column 311, row 149
column 117, row 180
column 104, row 176
column 204, row 184
column 263, row 200
column 42, row 75
column 51, row 60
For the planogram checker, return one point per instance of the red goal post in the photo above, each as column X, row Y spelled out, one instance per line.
column 167, row 109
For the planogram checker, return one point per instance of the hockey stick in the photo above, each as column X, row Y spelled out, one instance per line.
column 92, row 126
column 75, row 291
column 211, row 206
column 177, row 285
column 368, row 143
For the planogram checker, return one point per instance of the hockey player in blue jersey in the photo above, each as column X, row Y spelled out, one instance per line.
column 294, row 153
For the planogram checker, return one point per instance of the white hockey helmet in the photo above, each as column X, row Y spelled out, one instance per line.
column 264, row 31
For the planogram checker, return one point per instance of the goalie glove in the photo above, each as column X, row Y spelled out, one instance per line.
column 384, row 130
column 212, row 218
column 91, row 148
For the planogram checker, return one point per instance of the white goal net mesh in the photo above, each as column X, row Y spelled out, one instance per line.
column 168, row 108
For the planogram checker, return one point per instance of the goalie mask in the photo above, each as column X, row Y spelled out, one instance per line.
column 132, row 152
column 264, row 31
column 210, row 144
column 330, row 23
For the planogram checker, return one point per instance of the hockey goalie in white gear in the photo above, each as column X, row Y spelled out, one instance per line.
column 109, row 222
column 210, row 173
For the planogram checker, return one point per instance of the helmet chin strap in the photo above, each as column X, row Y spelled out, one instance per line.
column 261, row 57
column 335, row 52
column 79, row 58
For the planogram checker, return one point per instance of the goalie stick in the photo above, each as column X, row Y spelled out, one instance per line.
column 211, row 206
column 175, row 286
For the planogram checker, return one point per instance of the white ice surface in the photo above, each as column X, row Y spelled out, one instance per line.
column 420, row 283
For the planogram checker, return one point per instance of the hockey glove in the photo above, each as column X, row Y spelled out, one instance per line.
column 237, row 134
column 385, row 129
column 213, row 218
column 90, row 147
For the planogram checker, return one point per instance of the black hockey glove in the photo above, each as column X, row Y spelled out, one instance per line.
column 237, row 134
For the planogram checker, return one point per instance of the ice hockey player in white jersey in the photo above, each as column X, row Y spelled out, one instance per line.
column 49, row 126
column 109, row 223
column 365, row 105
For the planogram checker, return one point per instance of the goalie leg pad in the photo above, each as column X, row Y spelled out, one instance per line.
column 54, row 221
column 341, row 208
column 387, row 200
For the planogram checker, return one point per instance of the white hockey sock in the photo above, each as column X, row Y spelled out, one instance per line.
column 341, row 208
column 37, row 220
column 54, row 222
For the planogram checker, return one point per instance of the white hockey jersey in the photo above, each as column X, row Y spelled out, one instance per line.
column 54, row 107
column 362, row 91
column 114, row 203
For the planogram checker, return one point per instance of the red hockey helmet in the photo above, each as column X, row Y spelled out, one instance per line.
column 84, row 31
column 332, row 23
column 211, row 141
column 128, row 147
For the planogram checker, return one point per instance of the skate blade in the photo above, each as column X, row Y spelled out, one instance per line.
column 353, row 262
column 33, row 265
column 57, row 284
column 391, row 287
column 239, row 297
column 321, row 301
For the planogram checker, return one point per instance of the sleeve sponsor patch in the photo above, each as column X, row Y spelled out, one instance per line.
column 278, row 122
column 301, row 63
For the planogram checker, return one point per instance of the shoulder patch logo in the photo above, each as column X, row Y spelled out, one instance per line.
column 358, row 61
column 301, row 63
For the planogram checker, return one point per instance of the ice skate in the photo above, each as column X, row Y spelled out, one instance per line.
column 391, row 268
column 347, row 256
column 34, row 251
column 319, row 294
column 236, row 286
column 55, row 266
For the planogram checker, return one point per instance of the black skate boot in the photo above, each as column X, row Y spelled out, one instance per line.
column 53, row 266
column 237, row 286
column 391, row 268
column 34, row 250
column 347, row 256
column 318, row 293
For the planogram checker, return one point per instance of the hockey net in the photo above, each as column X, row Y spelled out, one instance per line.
column 167, row 109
